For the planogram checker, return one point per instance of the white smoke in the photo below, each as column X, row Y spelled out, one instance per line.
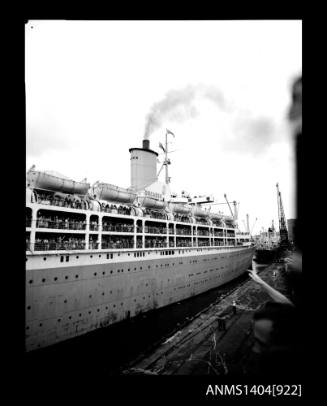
column 180, row 105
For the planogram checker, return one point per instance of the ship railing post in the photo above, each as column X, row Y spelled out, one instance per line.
column 175, row 234
column 135, row 235
column 167, row 234
column 143, row 234
column 100, row 231
column 33, row 228
column 87, row 231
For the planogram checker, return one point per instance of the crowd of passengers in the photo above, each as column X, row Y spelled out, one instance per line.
column 182, row 218
column 155, row 243
column 59, row 243
column 183, row 231
column 120, row 227
column 187, row 242
column 155, row 230
column 154, row 214
column 201, row 220
column 67, row 201
column 113, row 208
column 203, row 232
column 60, row 222
column 218, row 233
column 121, row 243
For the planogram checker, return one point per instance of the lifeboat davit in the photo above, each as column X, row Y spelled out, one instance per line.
column 55, row 182
column 112, row 193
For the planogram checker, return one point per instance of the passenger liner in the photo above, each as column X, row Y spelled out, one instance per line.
column 96, row 255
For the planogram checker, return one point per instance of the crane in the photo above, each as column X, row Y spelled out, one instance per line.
column 283, row 233
column 253, row 225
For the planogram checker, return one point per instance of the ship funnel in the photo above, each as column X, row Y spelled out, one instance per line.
column 143, row 166
column 146, row 144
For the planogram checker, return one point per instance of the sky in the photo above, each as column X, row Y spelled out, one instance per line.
column 94, row 89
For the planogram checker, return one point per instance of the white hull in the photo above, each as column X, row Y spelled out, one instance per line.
column 67, row 299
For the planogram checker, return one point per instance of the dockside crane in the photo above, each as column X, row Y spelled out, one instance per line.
column 283, row 233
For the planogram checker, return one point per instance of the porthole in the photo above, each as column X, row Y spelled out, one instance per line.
column 55, row 279
column 90, row 312
column 76, row 276
column 59, row 320
column 90, row 296
column 77, row 256
column 65, row 301
column 107, row 307
column 27, row 327
column 70, row 317
column 44, row 259
column 100, row 256
column 30, row 281
column 114, row 305
column 43, row 280
column 102, row 293
column 28, row 307
column 91, row 256
column 103, row 273
column 111, row 271
column 66, row 277
column 40, row 325
column 80, row 315
column 95, row 274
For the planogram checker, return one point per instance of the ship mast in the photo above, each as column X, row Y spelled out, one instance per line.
column 166, row 161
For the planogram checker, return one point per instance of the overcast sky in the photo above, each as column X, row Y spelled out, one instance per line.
column 94, row 89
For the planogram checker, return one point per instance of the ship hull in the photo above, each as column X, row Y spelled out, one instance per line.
column 95, row 290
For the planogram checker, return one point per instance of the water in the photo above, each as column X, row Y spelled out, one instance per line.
column 109, row 349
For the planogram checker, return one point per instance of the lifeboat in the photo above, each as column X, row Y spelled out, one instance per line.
column 180, row 208
column 151, row 203
column 55, row 182
column 215, row 216
column 112, row 193
column 198, row 212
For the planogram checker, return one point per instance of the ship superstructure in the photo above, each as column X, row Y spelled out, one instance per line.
column 99, row 254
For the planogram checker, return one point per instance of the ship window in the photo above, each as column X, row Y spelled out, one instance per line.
column 61, row 258
column 67, row 258
column 107, row 256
